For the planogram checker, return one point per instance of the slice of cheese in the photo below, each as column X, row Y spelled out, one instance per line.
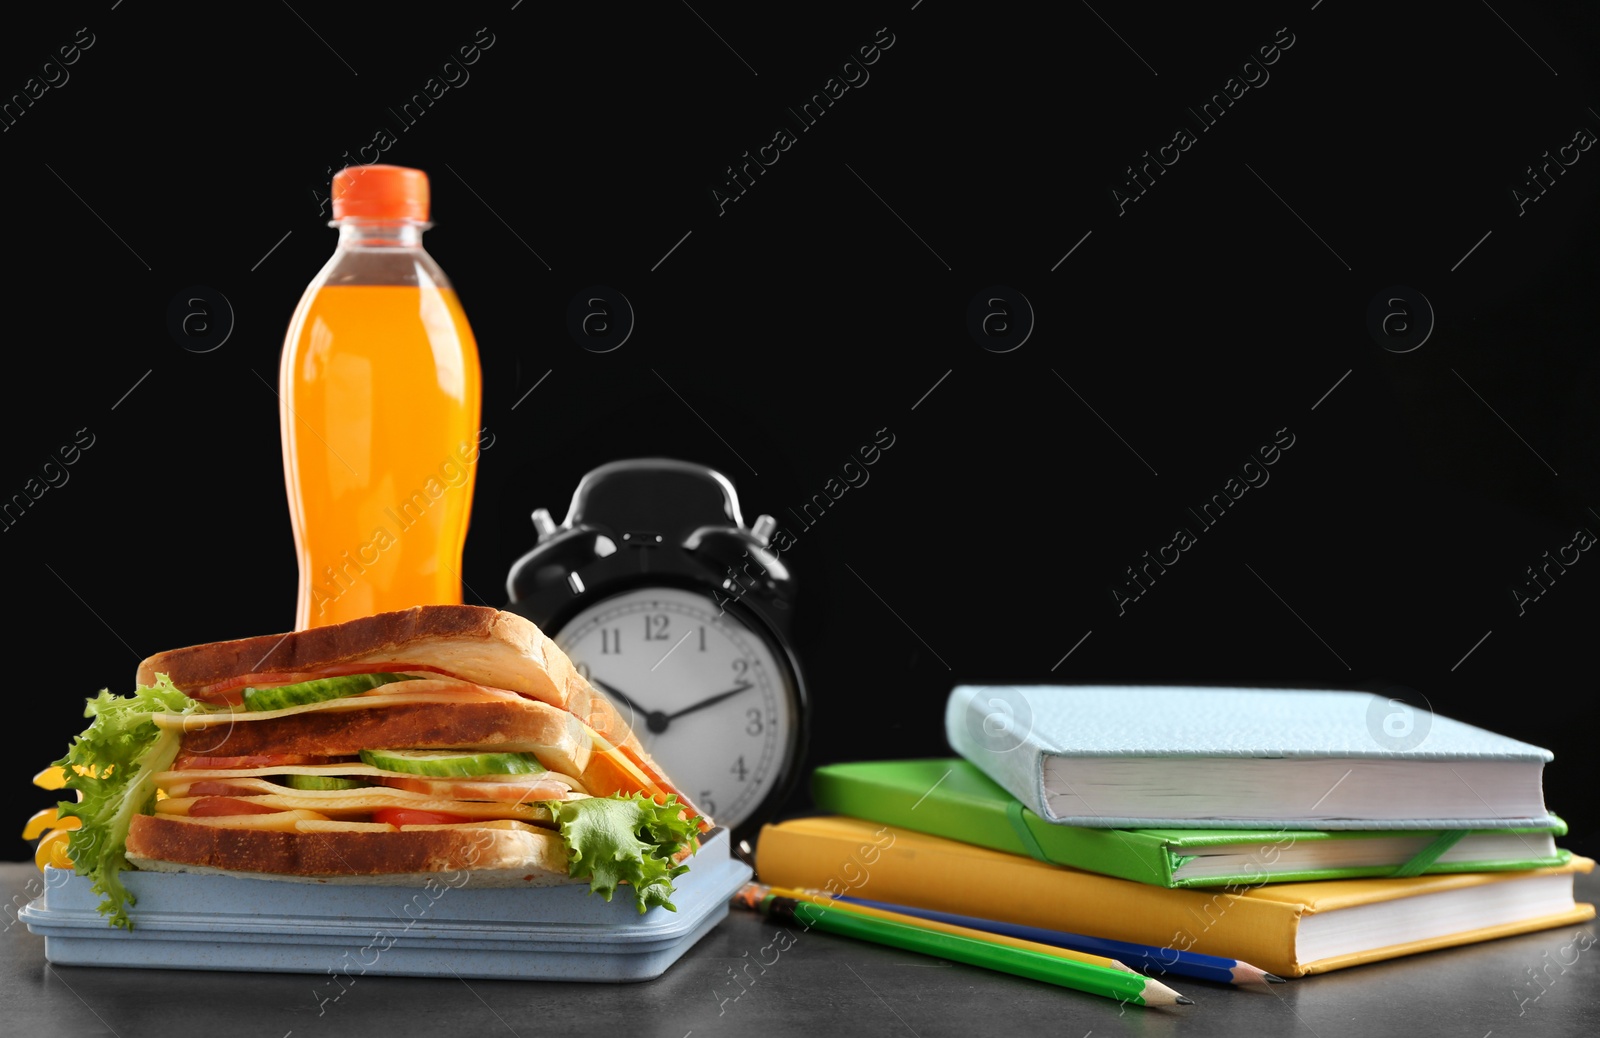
column 173, row 779
column 449, row 690
column 501, row 823
column 330, row 826
column 610, row 770
column 357, row 804
column 250, row 788
column 279, row 822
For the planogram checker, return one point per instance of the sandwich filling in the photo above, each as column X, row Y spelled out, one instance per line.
column 365, row 751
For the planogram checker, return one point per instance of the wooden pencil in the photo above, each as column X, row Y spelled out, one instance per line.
column 1150, row 957
column 1051, row 969
column 895, row 915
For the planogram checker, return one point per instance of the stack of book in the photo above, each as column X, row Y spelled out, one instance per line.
column 1301, row 831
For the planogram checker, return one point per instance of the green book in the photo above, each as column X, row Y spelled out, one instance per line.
column 953, row 799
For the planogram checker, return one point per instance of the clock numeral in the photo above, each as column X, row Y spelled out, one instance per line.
column 702, row 637
column 655, row 628
column 610, row 641
column 707, row 803
column 739, row 770
column 741, row 668
column 753, row 719
column 583, row 668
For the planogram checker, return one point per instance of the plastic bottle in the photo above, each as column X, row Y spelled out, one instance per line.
column 380, row 395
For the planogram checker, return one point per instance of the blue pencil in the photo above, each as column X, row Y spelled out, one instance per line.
column 1166, row 960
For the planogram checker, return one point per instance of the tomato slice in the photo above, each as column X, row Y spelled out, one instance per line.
column 262, row 760
column 215, row 807
column 231, row 690
column 398, row 816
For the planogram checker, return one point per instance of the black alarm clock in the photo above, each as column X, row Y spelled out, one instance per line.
column 680, row 614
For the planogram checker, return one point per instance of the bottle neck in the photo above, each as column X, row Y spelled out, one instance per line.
column 380, row 234
column 381, row 252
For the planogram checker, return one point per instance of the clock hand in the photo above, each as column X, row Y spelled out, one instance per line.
column 719, row 697
column 654, row 720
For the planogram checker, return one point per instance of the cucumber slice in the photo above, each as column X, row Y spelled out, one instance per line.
column 452, row 763
column 317, row 690
column 323, row 782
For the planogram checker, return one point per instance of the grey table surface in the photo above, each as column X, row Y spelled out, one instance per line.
column 821, row 985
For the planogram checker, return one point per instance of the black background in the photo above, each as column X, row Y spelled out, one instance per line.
column 827, row 302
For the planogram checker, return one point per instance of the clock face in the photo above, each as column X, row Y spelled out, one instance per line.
column 705, row 694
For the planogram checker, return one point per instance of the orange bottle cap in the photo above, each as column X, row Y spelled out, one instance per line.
column 380, row 192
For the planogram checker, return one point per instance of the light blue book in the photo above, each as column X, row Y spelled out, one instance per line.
column 1109, row 756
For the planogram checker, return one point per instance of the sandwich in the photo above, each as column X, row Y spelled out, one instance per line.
column 392, row 749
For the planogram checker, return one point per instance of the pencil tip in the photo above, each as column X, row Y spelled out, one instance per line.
column 1185, row 1000
column 750, row 896
column 1273, row 978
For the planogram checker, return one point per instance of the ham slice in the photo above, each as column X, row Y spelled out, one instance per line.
column 516, row 789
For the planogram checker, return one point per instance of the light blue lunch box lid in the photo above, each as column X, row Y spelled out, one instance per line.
column 210, row 922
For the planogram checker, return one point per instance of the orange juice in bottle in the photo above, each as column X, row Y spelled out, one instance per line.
column 379, row 403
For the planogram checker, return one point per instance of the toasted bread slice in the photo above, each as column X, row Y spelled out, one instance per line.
column 558, row 739
column 494, row 857
column 487, row 646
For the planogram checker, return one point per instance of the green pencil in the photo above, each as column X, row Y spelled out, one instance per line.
column 1080, row 976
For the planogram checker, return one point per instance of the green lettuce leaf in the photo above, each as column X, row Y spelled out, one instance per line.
column 113, row 764
column 631, row 840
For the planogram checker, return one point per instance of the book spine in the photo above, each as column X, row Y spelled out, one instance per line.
column 1020, row 890
column 990, row 732
column 934, row 811
column 1124, row 853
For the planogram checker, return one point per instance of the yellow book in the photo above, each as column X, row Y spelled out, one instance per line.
column 1290, row 929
